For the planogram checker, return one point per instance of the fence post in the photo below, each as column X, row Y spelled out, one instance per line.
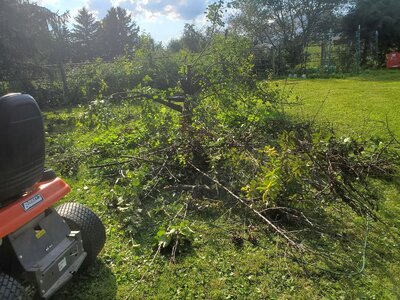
column 377, row 48
column 65, row 86
column 273, row 61
column 304, row 65
column 280, row 61
column 358, row 49
column 322, row 53
column 330, row 50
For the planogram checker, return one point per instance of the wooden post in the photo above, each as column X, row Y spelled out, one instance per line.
column 358, row 49
column 273, row 61
column 65, row 86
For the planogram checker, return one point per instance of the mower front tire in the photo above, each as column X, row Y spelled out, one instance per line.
column 80, row 217
column 11, row 289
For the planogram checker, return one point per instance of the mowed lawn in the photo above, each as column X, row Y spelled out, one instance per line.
column 366, row 104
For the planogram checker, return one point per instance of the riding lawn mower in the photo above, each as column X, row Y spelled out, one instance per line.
column 41, row 245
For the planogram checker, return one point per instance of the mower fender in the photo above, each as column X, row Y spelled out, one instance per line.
column 41, row 197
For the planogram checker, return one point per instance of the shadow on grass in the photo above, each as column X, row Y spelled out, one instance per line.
column 96, row 283
column 354, row 252
column 56, row 122
column 379, row 75
column 382, row 75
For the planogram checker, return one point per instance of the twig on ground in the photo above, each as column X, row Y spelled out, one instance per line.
column 278, row 230
column 146, row 160
column 313, row 119
column 145, row 273
column 157, row 180
column 118, row 163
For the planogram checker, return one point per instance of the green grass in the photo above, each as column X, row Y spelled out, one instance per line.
column 213, row 267
column 365, row 104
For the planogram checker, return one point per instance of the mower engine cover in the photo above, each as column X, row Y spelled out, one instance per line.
column 22, row 150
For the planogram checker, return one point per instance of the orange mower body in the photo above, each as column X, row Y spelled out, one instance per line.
column 41, row 245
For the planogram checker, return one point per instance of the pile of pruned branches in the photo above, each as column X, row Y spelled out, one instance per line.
column 249, row 151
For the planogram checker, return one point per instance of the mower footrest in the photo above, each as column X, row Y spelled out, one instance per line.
column 59, row 265
column 66, row 264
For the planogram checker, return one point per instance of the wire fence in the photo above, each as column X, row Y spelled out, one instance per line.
column 329, row 56
column 312, row 60
column 333, row 54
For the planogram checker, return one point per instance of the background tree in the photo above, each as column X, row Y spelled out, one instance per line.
column 192, row 38
column 61, row 48
column 174, row 45
column 287, row 26
column 85, row 34
column 374, row 15
column 118, row 32
column 26, row 41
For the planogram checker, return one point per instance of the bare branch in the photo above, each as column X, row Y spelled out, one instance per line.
column 279, row 230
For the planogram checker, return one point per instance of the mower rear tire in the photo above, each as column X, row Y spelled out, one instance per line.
column 11, row 289
column 82, row 218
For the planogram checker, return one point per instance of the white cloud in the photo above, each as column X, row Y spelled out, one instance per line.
column 163, row 19
column 116, row 3
column 172, row 9
column 47, row 3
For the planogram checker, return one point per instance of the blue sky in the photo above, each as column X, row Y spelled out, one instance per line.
column 163, row 19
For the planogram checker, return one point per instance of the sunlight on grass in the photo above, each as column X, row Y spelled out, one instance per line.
column 216, row 268
column 360, row 104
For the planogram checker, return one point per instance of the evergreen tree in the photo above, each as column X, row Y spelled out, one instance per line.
column 60, row 48
column 26, row 40
column 118, row 33
column 85, row 33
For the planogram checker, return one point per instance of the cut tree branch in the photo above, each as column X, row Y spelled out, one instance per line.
column 279, row 230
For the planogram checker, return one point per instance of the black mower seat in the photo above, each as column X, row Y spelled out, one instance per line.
column 22, row 150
